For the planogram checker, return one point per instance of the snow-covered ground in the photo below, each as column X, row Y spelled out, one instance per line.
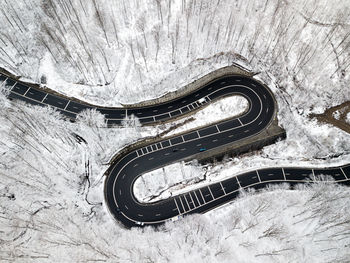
column 219, row 110
column 154, row 185
column 116, row 51
column 336, row 114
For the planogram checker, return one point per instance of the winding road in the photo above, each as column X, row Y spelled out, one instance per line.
column 124, row 170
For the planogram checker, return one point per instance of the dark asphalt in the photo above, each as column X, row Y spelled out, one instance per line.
column 123, row 173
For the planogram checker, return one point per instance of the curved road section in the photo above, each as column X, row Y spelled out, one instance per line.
column 127, row 168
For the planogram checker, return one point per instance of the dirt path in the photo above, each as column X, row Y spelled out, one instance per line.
column 336, row 116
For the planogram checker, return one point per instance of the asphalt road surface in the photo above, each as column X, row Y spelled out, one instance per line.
column 119, row 193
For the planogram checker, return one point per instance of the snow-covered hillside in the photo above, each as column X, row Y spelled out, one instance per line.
column 135, row 50
column 116, row 51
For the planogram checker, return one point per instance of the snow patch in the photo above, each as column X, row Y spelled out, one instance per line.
column 154, row 185
column 219, row 110
column 336, row 114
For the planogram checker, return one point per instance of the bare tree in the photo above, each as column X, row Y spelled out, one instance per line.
column 156, row 35
column 141, row 26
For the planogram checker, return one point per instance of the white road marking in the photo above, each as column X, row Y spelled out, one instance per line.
column 198, row 134
column 66, row 105
column 44, row 97
column 126, row 207
column 74, row 113
column 284, row 175
column 182, row 205
column 136, row 164
column 202, row 196
column 13, row 85
column 26, row 92
column 217, row 128
column 341, row 169
column 188, row 205
column 215, row 140
column 4, row 82
column 120, row 192
column 197, row 198
column 240, row 122
column 257, row 172
column 259, row 123
column 194, row 205
column 238, row 182
column 166, row 153
column 150, row 158
column 210, row 192
column 177, row 207
column 223, row 189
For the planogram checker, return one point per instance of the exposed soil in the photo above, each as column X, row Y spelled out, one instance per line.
column 336, row 116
